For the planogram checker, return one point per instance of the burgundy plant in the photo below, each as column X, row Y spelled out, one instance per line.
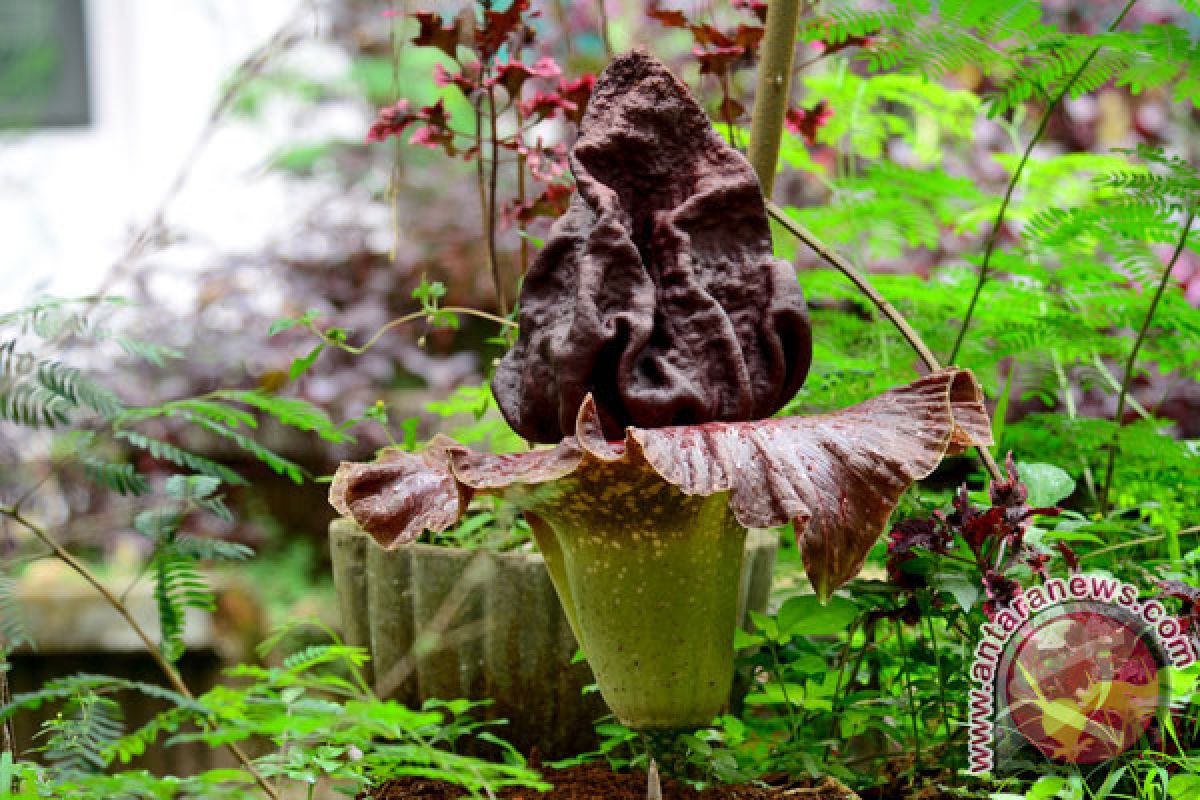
column 993, row 536
column 657, row 336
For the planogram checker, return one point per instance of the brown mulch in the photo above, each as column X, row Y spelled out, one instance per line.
column 597, row 782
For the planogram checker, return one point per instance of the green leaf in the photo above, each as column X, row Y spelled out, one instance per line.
column 287, row 323
column 804, row 615
column 1047, row 484
column 301, row 365
column 158, row 523
column 192, row 487
column 1047, row 786
column 1184, row 786
column 965, row 589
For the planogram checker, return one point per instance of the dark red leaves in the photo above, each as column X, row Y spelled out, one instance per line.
column 994, row 537
column 657, row 292
column 391, row 121
column 808, row 122
column 577, row 93
column 829, row 48
column 669, row 17
column 498, row 26
column 546, row 104
column 719, row 52
column 756, row 7
column 550, row 203
column 932, row 535
column 436, row 133
column 432, row 33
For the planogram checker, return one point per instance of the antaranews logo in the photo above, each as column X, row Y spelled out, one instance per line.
column 1076, row 668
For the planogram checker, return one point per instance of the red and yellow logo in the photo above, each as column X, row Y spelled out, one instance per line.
column 1084, row 687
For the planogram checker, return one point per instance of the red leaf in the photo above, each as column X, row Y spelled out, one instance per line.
column 748, row 37
column 807, row 122
column 577, row 92
column 717, row 61
column 498, row 26
column 756, row 7
column 547, row 104
column 709, row 36
column 731, row 110
column 442, row 77
column 433, row 34
column 550, row 203
column 436, row 133
column 669, row 17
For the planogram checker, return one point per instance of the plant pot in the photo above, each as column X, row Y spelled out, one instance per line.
column 444, row 622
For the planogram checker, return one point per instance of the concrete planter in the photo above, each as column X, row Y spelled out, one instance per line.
column 445, row 622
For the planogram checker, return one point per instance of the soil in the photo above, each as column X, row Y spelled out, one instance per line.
column 597, row 782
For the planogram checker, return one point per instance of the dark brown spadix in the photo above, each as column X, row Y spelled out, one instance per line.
column 657, row 292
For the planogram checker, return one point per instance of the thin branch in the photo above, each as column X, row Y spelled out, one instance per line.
column 1113, row 548
column 407, row 318
column 172, row 675
column 494, row 138
column 773, row 89
column 1131, row 362
column 604, row 35
column 879, row 301
column 993, row 235
column 1115, row 385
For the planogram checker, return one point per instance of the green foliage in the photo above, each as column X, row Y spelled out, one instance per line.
column 314, row 709
column 1027, row 57
column 76, row 738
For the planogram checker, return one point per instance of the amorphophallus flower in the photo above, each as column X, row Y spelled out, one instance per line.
column 657, row 336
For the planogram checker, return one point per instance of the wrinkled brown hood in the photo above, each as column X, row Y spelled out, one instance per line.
column 657, row 292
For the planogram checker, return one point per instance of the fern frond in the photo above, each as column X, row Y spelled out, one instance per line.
column 276, row 462
column 181, row 458
column 76, row 740
column 178, row 586
column 84, row 682
column 149, row 352
column 318, row 655
column 211, row 549
column 33, row 406
column 124, row 479
column 290, row 411
column 14, row 631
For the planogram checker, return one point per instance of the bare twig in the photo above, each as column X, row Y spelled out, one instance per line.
column 604, row 35
column 407, row 318
column 993, row 235
column 1131, row 362
column 879, row 301
column 490, row 222
column 773, row 89
column 172, row 675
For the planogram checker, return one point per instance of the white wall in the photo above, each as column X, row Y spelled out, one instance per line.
column 70, row 198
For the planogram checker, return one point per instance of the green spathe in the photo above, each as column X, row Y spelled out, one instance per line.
column 649, row 580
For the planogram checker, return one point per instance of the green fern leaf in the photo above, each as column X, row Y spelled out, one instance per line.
column 181, row 458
